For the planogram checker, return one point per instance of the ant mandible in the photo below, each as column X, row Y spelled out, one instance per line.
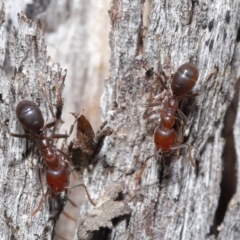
column 56, row 162
column 165, row 135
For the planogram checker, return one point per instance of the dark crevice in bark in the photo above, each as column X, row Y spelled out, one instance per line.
column 197, row 167
column 141, row 35
column 238, row 35
column 229, row 175
column 7, row 65
column 161, row 172
column 105, row 233
column 120, row 197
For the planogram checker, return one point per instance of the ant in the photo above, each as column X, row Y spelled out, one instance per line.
column 165, row 136
column 56, row 161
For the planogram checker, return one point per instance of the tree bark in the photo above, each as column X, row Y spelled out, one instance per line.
column 169, row 202
column 176, row 201
column 34, row 77
column 75, row 38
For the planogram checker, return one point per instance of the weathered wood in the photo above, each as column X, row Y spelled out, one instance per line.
column 177, row 201
column 34, row 77
column 79, row 40
column 174, row 202
column 75, row 38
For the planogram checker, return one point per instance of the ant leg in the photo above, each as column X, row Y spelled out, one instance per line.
column 193, row 95
column 43, row 195
column 39, row 206
column 148, row 114
column 86, row 191
column 215, row 71
column 67, row 161
column 15, row 134
column 99, row 138
column 189, row 152
column 42, row 85
column 70, row 131
column 72, row 126
column 180, row 136
column 101, row 127
column 56, row 136
column 64, row 155
column 177, row 117
column 160, row 78
column 182, row 116
column 144, row 165
column 49, row 125
column 190, row 95
column 141, row 171
column 19, row 135
column 158, row 96
column 152, row 104
column 40, row 179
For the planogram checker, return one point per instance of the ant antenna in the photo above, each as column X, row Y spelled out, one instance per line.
column 86, row 191
column 145, row 164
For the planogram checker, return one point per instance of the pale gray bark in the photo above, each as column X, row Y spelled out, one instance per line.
column 33, row 77
column 75, row 38
column 80, row 42
column 176, row 202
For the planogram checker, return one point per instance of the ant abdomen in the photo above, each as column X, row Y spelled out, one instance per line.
column 164, row 139
column 57, row 179
column 30, row 116
column 184, row 79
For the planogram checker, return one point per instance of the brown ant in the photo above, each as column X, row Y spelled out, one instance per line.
column 165, row 135
column 56, row 161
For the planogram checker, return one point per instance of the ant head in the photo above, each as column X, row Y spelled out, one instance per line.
column 30, row 116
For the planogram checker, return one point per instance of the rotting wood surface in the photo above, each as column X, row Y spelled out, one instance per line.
column 168, row 203
column 34, row 77
column 175, row 202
